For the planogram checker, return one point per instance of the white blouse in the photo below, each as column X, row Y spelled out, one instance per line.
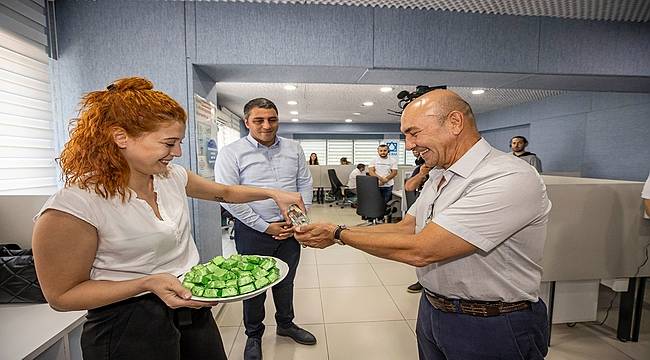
column 132, row 241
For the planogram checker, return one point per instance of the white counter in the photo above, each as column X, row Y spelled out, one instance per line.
column 30, row 330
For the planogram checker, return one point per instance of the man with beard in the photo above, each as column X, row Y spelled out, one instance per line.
column 518, row 145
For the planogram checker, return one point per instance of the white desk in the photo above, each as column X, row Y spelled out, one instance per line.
column 35, row 331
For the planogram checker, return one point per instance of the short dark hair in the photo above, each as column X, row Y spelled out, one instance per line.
column 519, row 137
column 261, row 103
column 382, row 145
column 361, row 166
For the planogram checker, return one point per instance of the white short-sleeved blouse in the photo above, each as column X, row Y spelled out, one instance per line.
column 132, row 241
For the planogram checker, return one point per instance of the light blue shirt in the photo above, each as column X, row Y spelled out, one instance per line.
column 279, row 166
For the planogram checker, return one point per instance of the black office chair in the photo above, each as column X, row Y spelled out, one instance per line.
column 370, row 202
column 338, row 189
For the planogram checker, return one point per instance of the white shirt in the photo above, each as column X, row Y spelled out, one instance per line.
column 352, row 179
column 383, row 166
column 499, row 204
column 645, row 193
column 132, row 241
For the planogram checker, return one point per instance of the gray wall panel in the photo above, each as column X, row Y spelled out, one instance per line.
column 594, row 47
column 617, row 143
column 105, row 40
column 446, row 40
column 230, row 33
column 559, row 142
column 601, row 135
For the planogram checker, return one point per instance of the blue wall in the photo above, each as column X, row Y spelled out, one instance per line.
column 103, row 40
column 600, row 135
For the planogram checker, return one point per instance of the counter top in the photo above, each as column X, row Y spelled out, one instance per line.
column 29, row 328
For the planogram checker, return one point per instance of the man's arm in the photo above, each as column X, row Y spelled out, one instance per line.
column 646, row 202
column 304, row 182
column 226, row 172
column 415, row 181
column 537, row 164
column 371, row 171
column 432, row 244
column 392, row 174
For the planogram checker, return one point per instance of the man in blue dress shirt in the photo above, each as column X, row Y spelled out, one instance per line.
column 266, row 160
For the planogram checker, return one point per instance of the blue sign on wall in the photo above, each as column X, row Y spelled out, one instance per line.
column 392, row 147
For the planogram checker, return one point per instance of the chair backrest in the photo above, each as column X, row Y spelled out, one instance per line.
column 370, row 203
column 334, row 182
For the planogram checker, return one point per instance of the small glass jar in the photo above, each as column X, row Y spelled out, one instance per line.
column 297, row 216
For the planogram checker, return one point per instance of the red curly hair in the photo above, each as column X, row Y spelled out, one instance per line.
column 91, row 159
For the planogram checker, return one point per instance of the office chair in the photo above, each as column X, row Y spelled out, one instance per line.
column 338, row 189
column 370, row 203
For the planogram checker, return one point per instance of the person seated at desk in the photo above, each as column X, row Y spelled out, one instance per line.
column 313, row 159
column 344, row 161
column 352, row 179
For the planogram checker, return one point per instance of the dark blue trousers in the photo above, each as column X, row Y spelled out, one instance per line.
column 251, row 242
column 386, row 192
column 517, row 335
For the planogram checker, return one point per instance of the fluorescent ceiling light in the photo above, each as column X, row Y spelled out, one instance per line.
column 292, row 102
column 478, row 92
column 348, row 120
column 295, row 120
column 356, row 113
column 293, row 112
column 386, row 89
column 368, row 103
column 290, row 87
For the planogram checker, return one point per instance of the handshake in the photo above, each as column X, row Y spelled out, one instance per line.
column 312, row 235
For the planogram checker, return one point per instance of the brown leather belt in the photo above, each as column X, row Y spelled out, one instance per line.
column 473, row 307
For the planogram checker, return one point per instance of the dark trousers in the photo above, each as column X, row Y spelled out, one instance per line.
column 386, row 192
column 251, row 242
column 144, row 327
column 520, row 334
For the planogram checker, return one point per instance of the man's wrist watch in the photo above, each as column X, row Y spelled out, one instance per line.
column 337, row 234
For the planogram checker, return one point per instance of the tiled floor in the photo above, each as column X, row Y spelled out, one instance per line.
column 358, row 308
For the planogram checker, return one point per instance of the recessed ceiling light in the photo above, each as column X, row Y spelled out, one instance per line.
column 386, row 89
column 357, row 113
column 348, row 120
column 478, row 92
column 293, row 112
column 295, row 120
column 291, row 102
column 368, row 103
column 290, row 87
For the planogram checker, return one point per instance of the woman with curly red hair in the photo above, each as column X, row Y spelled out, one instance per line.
column 116, row 238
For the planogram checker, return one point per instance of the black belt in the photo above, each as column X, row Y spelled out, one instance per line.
column 474, row 307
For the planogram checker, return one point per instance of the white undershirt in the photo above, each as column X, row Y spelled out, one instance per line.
column 132, row 241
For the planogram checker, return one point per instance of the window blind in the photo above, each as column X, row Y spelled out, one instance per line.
column 336, row 149
column 27, row 150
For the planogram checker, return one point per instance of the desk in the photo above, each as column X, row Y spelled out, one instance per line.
column 35, row 331
column 596, row 231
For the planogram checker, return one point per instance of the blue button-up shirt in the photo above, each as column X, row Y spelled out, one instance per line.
column 279, row 166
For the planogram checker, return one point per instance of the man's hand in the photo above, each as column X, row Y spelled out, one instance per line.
column 284, row 199
column 319, row 235
column 382, row 180
column 280, row 230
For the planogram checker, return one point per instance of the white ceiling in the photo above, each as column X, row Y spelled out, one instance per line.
column 609, row 10
column 333, row 103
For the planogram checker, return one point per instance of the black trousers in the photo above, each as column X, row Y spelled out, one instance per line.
column 144, row 327
column 252, row 242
